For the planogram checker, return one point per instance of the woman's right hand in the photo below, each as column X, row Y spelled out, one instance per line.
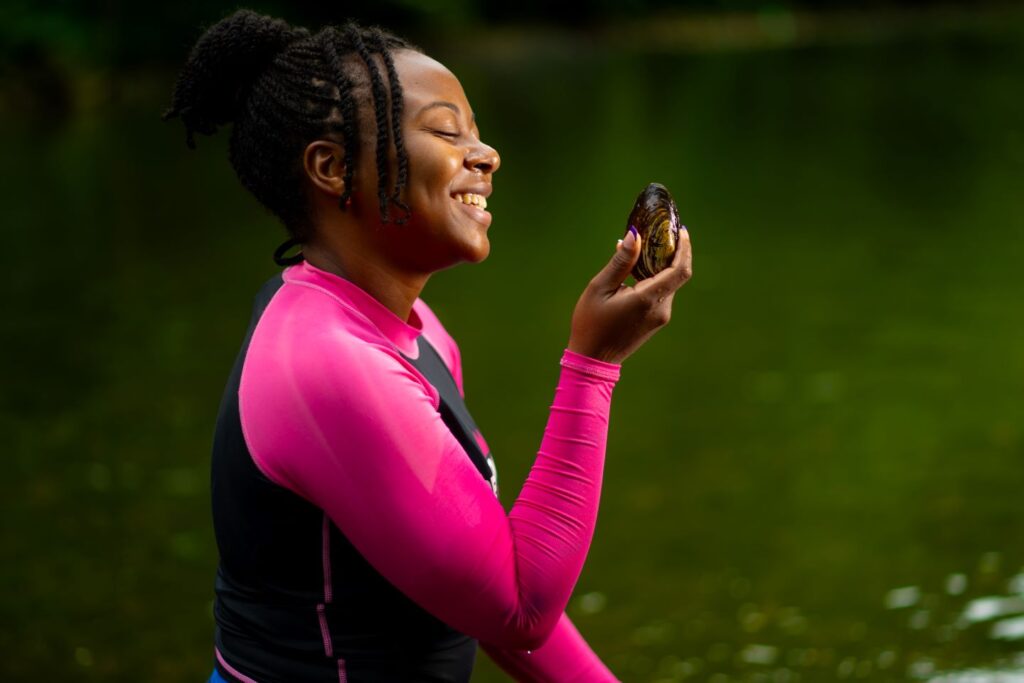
column 612, row 320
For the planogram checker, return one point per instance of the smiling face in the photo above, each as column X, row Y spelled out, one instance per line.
column 446, row 158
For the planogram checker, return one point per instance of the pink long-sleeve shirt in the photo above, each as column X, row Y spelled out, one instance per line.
column 342, row 416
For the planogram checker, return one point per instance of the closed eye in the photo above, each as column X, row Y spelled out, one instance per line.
column 447, row 135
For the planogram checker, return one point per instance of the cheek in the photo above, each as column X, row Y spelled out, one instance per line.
column 432, row 168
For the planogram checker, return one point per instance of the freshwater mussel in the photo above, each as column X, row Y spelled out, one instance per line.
column 656, row 219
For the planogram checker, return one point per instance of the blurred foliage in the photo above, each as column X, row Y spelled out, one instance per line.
column 120, row 32
column 59, row 59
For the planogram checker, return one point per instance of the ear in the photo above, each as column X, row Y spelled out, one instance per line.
column 324, row 162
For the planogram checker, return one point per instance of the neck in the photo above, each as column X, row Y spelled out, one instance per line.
column 396, row 290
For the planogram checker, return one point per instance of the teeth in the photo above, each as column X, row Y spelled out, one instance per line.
column 474, row 199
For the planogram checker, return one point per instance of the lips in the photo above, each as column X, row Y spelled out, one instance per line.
column 483, row 189
column 479, row 215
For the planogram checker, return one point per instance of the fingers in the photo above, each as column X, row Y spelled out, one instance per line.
column 683, row 258
column 676, row 274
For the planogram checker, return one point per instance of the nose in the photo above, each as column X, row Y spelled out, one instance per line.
column 483, row 157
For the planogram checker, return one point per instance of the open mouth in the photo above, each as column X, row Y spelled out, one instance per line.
column 471, row 199
column 475, row 205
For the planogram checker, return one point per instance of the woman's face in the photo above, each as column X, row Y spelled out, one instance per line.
column 446, row 157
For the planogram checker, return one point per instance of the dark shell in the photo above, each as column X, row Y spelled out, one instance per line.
column 656, row 219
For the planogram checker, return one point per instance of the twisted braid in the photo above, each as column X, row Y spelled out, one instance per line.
column 380, row 110
column 348, row 109
column 283, row 87
column 379, row 40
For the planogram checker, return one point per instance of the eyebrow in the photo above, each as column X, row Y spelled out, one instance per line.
column 449, row 105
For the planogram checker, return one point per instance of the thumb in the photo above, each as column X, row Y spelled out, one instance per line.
column 626, row 253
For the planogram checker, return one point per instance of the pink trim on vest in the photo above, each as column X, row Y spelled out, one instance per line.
column 326, row 551
column 324, row 632
column 232, row 670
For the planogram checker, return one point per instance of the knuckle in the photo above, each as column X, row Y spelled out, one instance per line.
column 655, row 309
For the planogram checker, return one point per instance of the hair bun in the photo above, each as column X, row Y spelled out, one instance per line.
column 223, row 64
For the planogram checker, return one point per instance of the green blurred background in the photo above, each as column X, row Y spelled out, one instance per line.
column 814, row 472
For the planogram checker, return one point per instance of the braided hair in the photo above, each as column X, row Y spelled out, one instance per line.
column 283, row 87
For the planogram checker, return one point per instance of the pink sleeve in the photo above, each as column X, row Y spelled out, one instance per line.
column 355, row 429
column 564, row 658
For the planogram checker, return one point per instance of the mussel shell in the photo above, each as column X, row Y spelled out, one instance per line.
column 656, row 219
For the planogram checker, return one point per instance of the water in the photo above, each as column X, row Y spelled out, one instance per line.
column 813, row 471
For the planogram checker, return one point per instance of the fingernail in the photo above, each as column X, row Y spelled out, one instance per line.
column 630, row 238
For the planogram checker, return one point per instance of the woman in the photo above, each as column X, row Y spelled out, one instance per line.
column 354, row 500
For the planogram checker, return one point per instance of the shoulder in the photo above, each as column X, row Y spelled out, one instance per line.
column 312, row 363
column 307, row 347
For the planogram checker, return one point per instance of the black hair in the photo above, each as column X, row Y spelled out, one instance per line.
column 283, row 87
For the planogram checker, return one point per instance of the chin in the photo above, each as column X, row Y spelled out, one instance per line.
column 481, row 252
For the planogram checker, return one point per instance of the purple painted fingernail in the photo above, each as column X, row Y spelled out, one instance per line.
column 635, row 233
